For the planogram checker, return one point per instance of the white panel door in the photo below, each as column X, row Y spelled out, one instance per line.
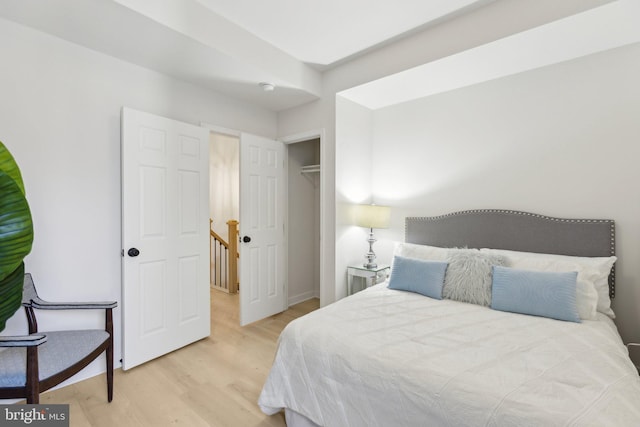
column 262, row 287
column 165, row 236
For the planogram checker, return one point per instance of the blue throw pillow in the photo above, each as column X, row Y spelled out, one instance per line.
column 539, row 293
column 416, row 275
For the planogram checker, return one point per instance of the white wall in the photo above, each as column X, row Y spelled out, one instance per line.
column 495, row 20
column 224, row 177
column 354, row 142
column 60, row 116
column 560, row 141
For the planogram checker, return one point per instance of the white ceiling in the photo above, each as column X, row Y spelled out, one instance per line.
column 231, row 45
column 328, row 31
column 606, row 27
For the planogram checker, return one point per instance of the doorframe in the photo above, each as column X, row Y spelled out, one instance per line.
column 227, row 132
column 287, row 140
column 300, row 137
column 220, row 129
column 230, row 134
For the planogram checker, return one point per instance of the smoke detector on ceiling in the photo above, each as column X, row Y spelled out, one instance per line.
column 267, row 87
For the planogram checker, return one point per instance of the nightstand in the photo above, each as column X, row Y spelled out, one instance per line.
column 359, row 277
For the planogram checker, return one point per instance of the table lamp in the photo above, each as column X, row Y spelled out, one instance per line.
column 371, row 216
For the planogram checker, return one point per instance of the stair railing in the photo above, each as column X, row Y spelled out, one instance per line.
column 224, row 258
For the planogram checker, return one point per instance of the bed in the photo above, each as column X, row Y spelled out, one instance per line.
column 389, row 356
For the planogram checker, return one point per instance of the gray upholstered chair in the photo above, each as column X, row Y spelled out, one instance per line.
column 32, row 364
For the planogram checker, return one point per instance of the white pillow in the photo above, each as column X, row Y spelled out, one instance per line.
column 424, row 252
column 592, row 293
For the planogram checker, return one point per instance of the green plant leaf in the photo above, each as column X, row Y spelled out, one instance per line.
column 9, row 166
column 11, row 294
column 16, row 235
column 16, row 226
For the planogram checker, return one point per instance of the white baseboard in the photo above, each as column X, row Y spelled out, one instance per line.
column 297, row 299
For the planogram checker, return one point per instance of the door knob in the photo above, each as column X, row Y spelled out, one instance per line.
column 133, row 252
column 246, row 239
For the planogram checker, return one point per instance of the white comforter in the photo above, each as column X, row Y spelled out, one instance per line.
column 392, row 358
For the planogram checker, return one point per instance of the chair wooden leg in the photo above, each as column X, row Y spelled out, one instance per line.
column 110, row 372
column 33, row 380
column 109, row 354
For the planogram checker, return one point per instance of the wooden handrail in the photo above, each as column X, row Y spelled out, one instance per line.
column 228, row 268
column 219, row 239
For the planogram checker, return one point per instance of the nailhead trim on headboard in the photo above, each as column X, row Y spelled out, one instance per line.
column 612, row 291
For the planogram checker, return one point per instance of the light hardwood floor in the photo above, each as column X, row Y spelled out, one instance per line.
column 213, row 382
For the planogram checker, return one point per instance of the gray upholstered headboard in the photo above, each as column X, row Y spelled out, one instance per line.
column 518, row 231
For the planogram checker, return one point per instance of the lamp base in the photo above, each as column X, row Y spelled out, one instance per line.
column 370, row 256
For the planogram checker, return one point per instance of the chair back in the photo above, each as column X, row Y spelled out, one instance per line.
column 29, row 293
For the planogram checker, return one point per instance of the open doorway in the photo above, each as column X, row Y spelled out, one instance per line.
column 302, row 207
column 303, row 240
column 224, row 208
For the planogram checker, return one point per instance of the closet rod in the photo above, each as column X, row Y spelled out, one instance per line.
column 310, row 169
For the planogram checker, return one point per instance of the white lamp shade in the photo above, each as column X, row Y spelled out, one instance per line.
column 372, row 216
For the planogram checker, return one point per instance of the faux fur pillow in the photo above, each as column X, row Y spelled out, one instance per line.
column 468, row 277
